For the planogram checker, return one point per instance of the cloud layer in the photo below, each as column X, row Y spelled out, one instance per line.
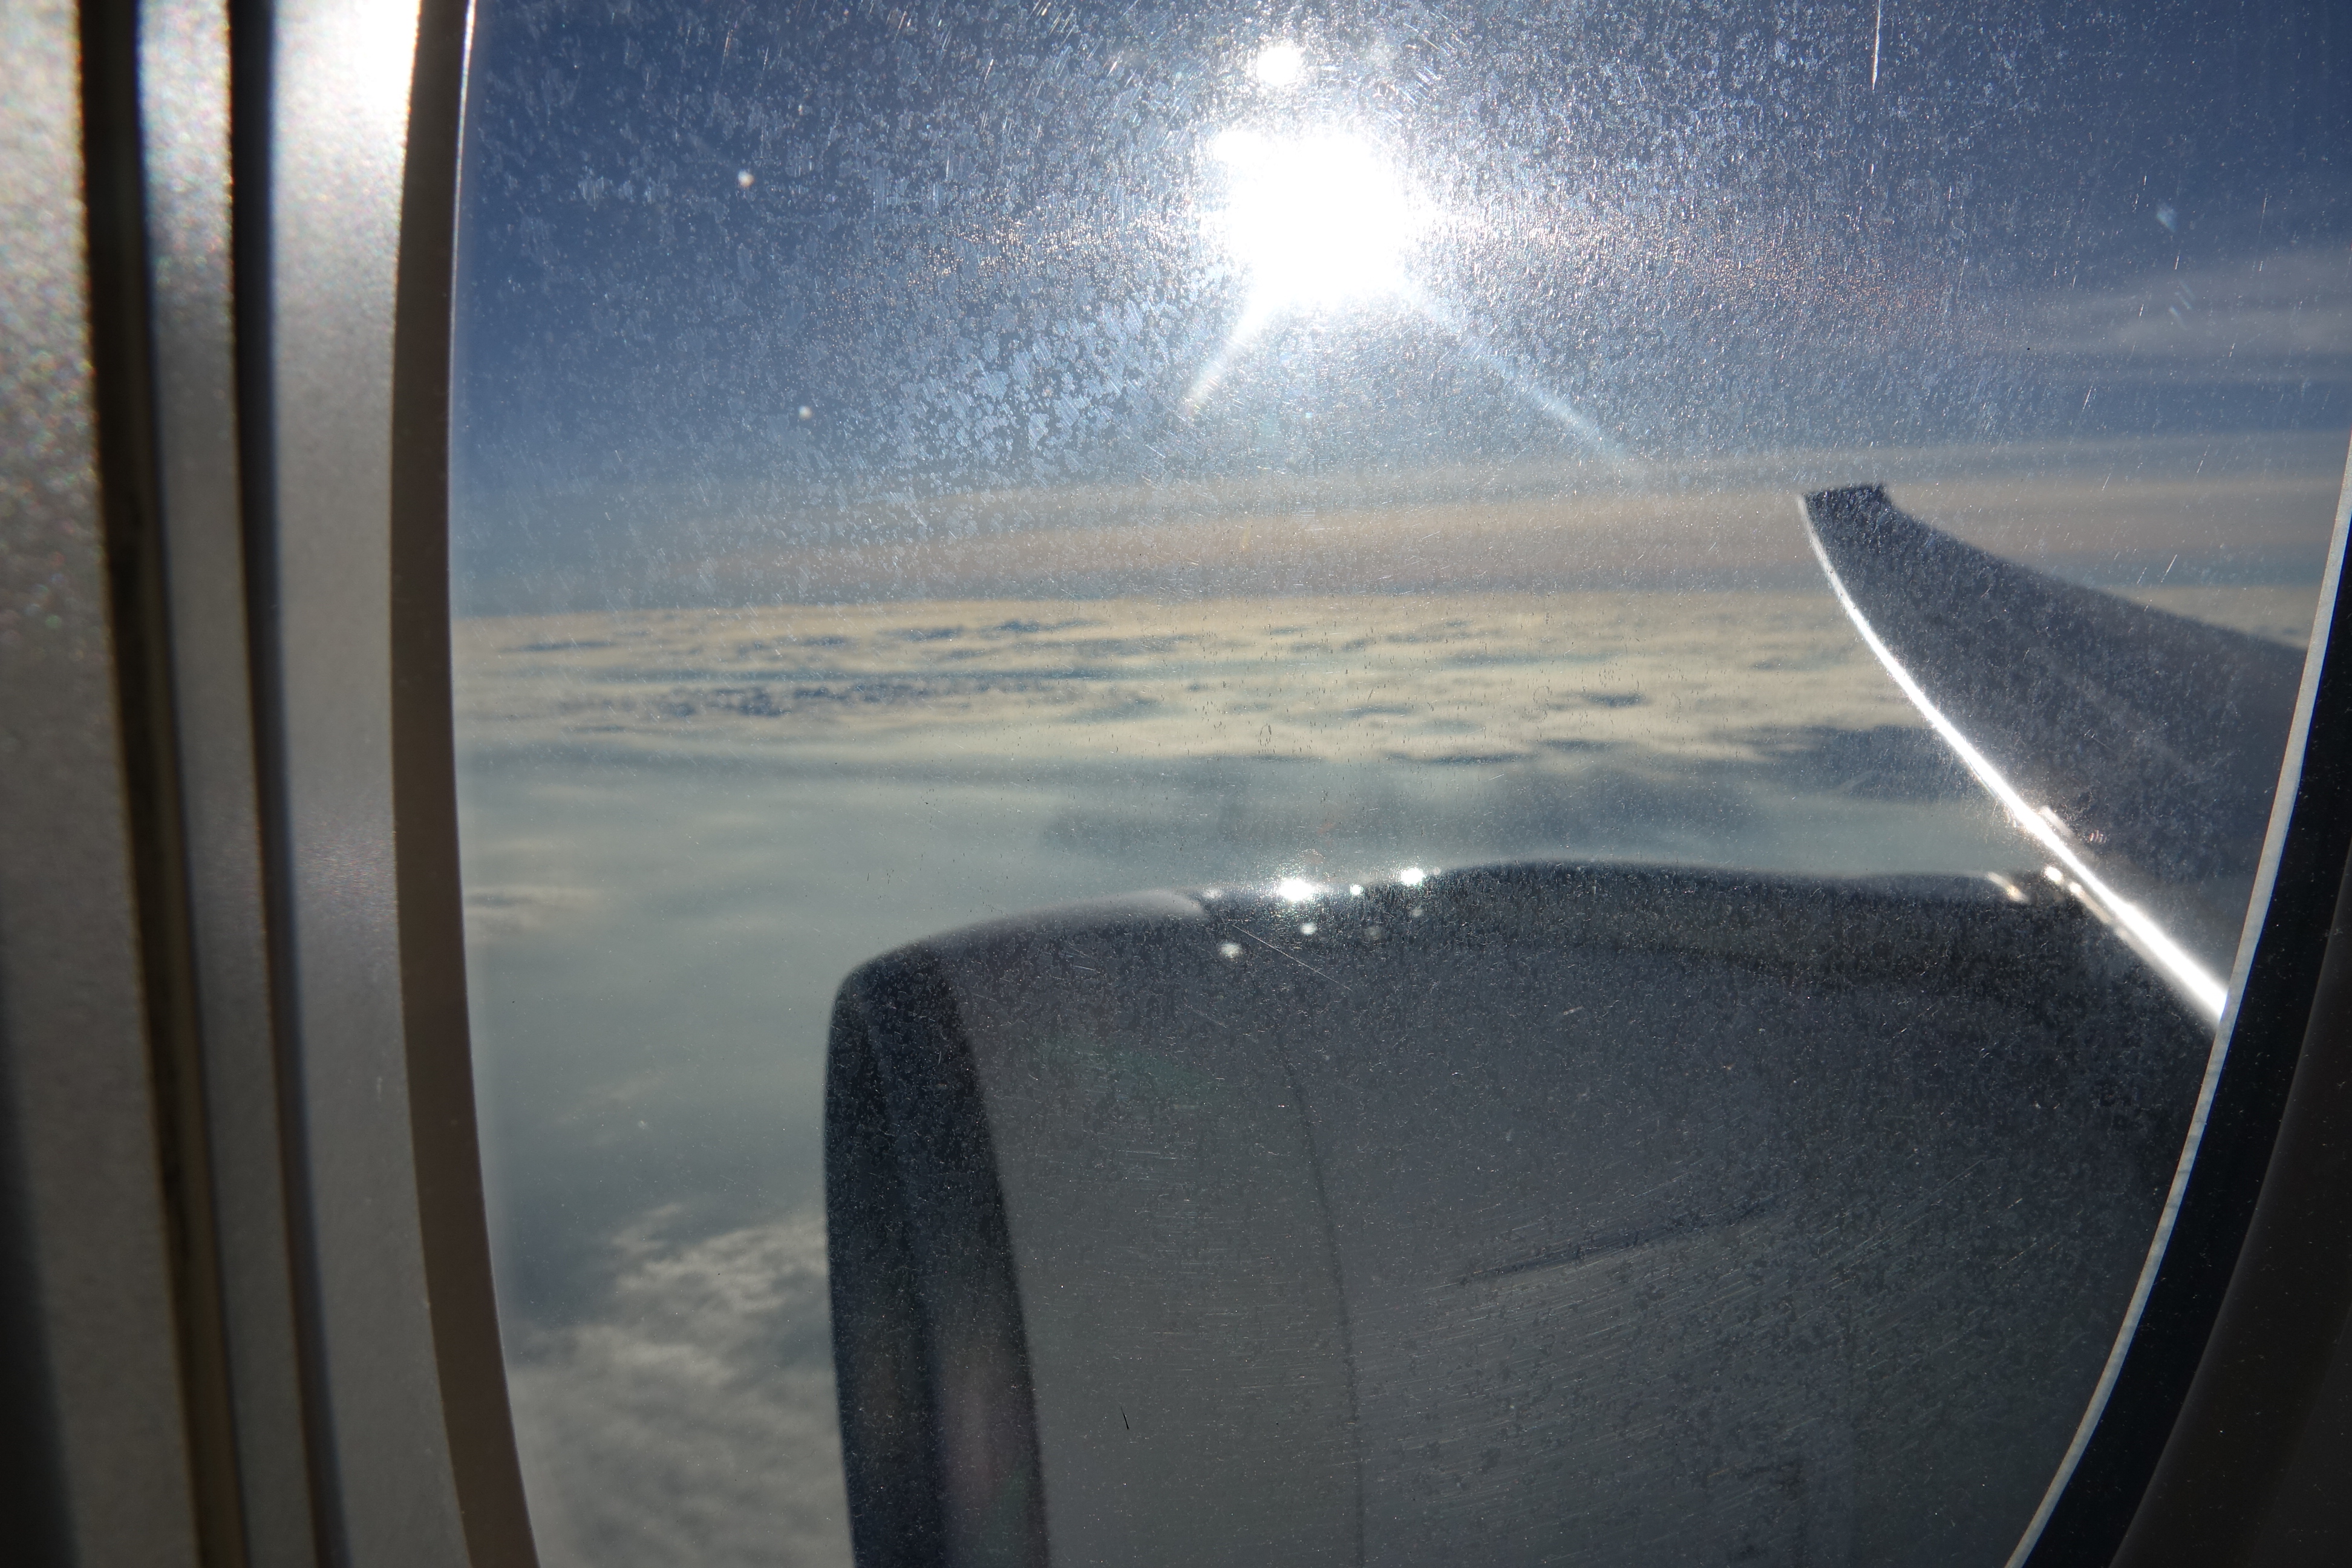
column 692, row 1421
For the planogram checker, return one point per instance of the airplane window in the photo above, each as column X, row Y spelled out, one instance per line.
column 1666, row 629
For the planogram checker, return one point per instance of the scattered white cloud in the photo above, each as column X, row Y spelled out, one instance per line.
column 510, row 911
column 693, row 1421
column 2258, row 320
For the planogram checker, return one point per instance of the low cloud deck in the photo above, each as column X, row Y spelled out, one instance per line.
column 1555, row 681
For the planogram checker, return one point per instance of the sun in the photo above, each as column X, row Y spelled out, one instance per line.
column 1317, row 220
column 1320, row 221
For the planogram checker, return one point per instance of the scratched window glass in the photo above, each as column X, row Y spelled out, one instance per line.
column 1365, row 783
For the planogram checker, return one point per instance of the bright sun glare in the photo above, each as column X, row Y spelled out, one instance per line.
column 1320, row 221
column 1317, row 220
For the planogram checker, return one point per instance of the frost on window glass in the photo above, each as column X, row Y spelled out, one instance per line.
column 919, row 464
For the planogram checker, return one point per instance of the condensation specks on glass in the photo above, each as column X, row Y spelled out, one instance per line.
column 1555, row 564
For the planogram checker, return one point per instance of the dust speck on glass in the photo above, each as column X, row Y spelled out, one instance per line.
column 1556, row 563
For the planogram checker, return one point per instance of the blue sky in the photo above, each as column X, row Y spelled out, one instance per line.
column 730, row 270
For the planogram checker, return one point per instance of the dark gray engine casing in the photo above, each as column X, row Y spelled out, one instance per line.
column 1542, row 1214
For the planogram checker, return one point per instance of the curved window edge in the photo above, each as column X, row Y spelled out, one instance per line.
column 2142, row 1465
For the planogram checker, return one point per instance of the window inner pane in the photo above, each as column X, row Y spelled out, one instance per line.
column 916, row 465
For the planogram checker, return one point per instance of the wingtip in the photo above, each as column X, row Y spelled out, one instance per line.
column 1847, row 497
column 1862, row 517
